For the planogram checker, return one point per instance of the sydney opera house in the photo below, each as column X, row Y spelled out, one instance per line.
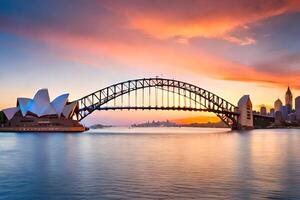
column 41, row 114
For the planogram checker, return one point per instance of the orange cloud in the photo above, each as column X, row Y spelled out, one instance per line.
column 151, row 55
column 209, row 19
column 239, row 41
column 128, row 48
column 165, row 58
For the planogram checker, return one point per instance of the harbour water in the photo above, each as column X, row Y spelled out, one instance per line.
column 151, row 163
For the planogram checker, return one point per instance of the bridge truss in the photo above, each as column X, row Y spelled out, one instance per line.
column 157, row 94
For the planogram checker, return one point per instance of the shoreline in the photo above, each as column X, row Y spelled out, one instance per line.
column 76, row 129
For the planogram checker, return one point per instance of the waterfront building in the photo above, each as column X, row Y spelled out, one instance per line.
column 41, row 114
column 41, row 106
column 284, row 111
column 277, row 105
column 289, row 100
column 272, row 112
column 292, row 117
column 297, row 108
column 255, row 112
column 278, row 118
column 263, row 110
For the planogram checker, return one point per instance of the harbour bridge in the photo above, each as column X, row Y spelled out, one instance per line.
column 161, row 94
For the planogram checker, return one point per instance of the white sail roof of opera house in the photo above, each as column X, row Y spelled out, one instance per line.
column 22, row 104
column 10, row 112
column 59, row 103
column 40, row 105
column 69, row 109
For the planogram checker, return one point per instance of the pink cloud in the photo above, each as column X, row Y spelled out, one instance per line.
column 205, row 18
column 119, row 37
column 166, row 58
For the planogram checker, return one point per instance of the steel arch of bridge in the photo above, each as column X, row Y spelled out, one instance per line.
column 202, row 99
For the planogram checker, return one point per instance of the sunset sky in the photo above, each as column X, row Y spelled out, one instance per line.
column 229, row 47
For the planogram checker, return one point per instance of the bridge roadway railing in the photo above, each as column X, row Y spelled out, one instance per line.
column 162, row 108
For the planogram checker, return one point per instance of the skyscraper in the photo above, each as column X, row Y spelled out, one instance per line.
column 285, row 112
column 277, row 105
column 289, row 100
column 297, row 107
column 272, row 112
column 263, row 110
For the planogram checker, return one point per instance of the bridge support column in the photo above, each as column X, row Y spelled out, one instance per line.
column 245, row 118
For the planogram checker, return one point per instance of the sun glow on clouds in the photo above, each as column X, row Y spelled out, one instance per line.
column 206, row 18
column 119, row 36
column 160, row 57
column 187, row 30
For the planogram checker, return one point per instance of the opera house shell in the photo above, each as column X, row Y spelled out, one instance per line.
column 41, row 114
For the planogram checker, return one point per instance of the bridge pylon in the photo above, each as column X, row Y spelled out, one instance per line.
column 245, row 117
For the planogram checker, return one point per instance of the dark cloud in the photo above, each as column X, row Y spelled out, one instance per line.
column 284, row 65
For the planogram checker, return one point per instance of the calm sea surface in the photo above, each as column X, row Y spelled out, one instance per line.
column 152, row 163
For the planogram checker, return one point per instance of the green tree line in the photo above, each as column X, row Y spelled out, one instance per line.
column 2, row 117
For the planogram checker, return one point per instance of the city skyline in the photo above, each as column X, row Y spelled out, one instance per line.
column 78, row 48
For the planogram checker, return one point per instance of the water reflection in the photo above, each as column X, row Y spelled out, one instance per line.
column 151, row 163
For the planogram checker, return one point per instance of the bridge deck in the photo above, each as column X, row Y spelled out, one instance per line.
column 164, row 108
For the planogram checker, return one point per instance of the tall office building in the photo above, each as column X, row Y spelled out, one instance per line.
column 278, row 118
column 263, row 110
column 297, row 108
column 285, row 112
column 272, row 112
column 289, row 100
column 277, row 105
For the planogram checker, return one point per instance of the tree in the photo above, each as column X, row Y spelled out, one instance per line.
column 2, row 117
